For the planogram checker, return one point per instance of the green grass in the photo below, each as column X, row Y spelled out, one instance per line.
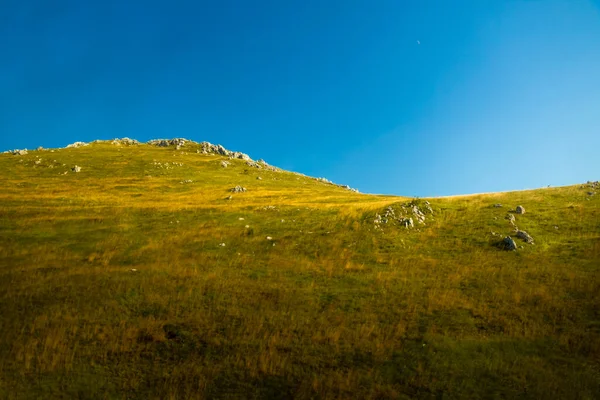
column 329, row 308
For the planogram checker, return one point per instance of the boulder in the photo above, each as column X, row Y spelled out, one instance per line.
column 76, row 168
column 497, row 205
column 520, row 210
column 508, row 244
column 525, row 236
column 224, row 164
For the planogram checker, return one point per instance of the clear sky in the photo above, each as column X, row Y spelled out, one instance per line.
column 420, row 98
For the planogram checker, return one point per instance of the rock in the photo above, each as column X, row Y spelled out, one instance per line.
column 525, row 236
column 555, row 227
column 240, row 156
column 510, row 218
column 377, row 219
column 76, row 144
column 347, row 187
column 259, row 178
column 238, row 189
column 187, row 181
column 224, row 164
column 228, row 197
column 37, row 162
column 125, row 141
column 40, row 148
column 324, row 180
column 408, row 223
column 178, row 142
column 269, row 238
column 591, row 193
column 497, row 205
column 508, row 243
column 133, row 270
column 18, row 152
column 253, row 164
column 76, row 168
column 247, row 226
column 520, row 210
column 222, row 244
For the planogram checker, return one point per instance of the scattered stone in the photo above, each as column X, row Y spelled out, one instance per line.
column 247, row 226
column 240, row 219
column 76, row 144
column 494, row 233
column 269, row 238
column 224, row 164
column 133, row 270
column 510, row 218
column 555, row 227
column 76, row 168
column 520, row 210
column 497, row 205
column 591, row 193
column 508, row 244
column 37, row 162
column 187, row 181
column 229, row 197
column 40, row 148
column 238, row 189
column 525, row 236
column 222, row 244
column 259, row 178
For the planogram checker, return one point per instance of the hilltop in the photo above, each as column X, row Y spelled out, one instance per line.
column 176, row 269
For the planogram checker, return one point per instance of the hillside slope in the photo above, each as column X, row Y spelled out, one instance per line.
column 143, row 276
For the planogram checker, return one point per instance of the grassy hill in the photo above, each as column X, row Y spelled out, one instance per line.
column 126, row 280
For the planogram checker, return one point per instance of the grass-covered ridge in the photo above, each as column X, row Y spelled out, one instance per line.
column 332, row 306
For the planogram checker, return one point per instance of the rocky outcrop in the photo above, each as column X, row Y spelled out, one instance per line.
column 238, row 189
column 405, row 215
column 17, row 152
column 76, row 145
column 124, row 142
column 178, row 142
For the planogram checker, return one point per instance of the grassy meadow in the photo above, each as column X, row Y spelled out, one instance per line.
column 122, row 282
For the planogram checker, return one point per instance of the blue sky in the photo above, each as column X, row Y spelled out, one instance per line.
column 421, row 98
